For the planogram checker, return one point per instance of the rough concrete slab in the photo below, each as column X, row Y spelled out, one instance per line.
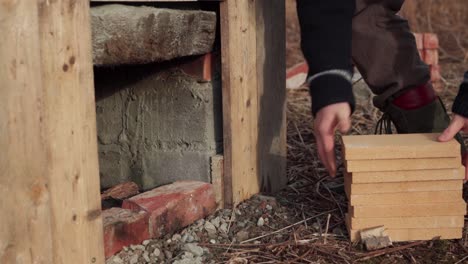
column 156, row 126
column 140, row 34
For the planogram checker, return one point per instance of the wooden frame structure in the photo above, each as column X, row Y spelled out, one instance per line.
column 49, row 166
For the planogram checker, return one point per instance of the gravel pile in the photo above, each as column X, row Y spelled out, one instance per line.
column 253, row 218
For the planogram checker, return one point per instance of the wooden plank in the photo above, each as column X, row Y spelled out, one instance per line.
column 25, row 235
column 397, row 146
column 457, row 221
column 409, row 234
column 69, row 113
column 402, row 164
column 217, row 164
column 253, row 97
column 405, row 198
column 399, row 187
column 405, row 210
column 403, row 176
column 240, row 100
column 271, row 77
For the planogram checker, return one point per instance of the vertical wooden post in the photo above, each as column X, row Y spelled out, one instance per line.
column 253, row 71
column 70, row 121
column 25, row 231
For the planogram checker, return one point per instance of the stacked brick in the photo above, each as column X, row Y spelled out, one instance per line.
column 409, row 184
column 428, row 47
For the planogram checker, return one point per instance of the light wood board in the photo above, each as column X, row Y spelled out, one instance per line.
column 70, row 118
column 397, row 146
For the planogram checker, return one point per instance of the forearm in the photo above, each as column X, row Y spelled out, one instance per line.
column 460, row 106
column 326, row 44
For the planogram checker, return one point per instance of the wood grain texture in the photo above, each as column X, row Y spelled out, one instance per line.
column 25, row 230
column 253, row 66
column 271, row 78
column 456, row 221
column 398, row 146
column 402, row 164
column 240, row 100
column 429, row 209
column 69, row 112
column 405, row 176
column 404, row 198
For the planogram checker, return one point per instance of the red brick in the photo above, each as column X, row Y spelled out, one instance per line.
column 435, row 73
column 431, row 56
column 297, row 69
column 201, row 67
column 430, row 41
column 122, row 228
column 419, row 40
column 174, row 206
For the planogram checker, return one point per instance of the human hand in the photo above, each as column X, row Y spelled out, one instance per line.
column 459, row 123
column 329, row 119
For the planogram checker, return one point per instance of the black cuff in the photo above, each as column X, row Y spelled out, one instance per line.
column 330, row 89
column 460, row 106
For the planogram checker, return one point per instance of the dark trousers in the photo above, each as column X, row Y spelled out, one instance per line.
column 382, row 48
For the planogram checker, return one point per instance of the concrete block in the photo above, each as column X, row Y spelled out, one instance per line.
column 407, row 176
column 430, row 41
column 402, row 164
column 431, row 56
column 122, row 228
column 399, row 187
column 457, row 221
column 407, row 210
column 405, row 198
column 156, row 126
column 397, row 146
column 124, row 34
column 174, row 206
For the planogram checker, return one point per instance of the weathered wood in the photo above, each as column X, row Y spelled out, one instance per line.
column 125, row 34
column 25, row 231
column 240, row 100
column 271, row 78
column 253, row 66
column 121, row 191
column 70, row 126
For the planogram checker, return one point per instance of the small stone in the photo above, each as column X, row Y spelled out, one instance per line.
column 125, row 248
column 137, row 247
column 184, row 238
column 210, row 228
column 157, row 252
column 190, row 239
column 187, row 255
column 117, row 260
column 146, row 242
column 241, row 224
column 223, row 227
column 238, row 212
column 176, row 237
column 242, row 235
column 212, row 241
column 216, row 221
column 169, row 241
column 269, row 207
column 260, row 221
column 133, row 259
column 168, row 254
column 146, row 257
column 256, row 242
column 194, row 249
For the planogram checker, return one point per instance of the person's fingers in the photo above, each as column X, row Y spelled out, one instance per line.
column 344, row 124
column 455, row 126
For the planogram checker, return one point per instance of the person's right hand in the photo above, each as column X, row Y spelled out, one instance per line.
column 459, row 123
column 329, row 119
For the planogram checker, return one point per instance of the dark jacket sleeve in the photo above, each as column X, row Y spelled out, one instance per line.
column 460, row 106
column 326, row 45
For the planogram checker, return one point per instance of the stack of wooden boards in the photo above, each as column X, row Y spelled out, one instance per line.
column 410, row 184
